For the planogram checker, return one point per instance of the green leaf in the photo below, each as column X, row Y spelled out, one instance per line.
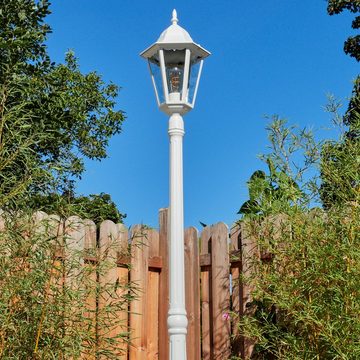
column 249, row 207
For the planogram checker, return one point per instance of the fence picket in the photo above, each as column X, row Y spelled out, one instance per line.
column 249, row 250
column 152, row 299
column 139, row 279
column 98, row 262
column 192, row 293
column 237, row 345
column 220, row 291
column 123, row 278
column 110, row 290
column 90, row 271
column 206, row 314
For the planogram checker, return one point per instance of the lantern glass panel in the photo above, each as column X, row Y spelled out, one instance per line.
column 157, row 81
column 193, row 76
column 174, row 63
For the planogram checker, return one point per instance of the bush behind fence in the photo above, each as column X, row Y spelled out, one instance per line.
column 123, row 275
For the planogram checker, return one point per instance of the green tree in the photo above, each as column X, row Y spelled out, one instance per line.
column 52, row 116
column 269, row 192
column 336, row 155
column 305, row 295
column 352, row 44
column 97, row 207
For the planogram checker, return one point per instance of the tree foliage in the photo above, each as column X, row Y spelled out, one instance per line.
column 340, row 165
column 305, row 296
column 52, row 116
column 268, row 193
column 352, row 44
column 97, row 207
column 334, row 152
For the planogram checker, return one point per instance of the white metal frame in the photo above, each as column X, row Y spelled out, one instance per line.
column 185, row 88
column 197, row 83
column 176, row 38
column 154, row 84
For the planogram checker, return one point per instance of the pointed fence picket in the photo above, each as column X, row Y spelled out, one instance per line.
column 130, row 269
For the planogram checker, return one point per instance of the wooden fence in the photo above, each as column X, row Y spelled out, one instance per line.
column 214, row 261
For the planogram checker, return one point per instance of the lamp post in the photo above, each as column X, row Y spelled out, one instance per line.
column 175, row 64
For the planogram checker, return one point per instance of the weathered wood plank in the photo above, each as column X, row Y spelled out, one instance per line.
column 139, row 280
column 206, row 317
column 74, row 240
column 155, row 262
column 205, row 260
column 236, row 296
column 152, row 299
column 220, row 291
column 192, row 293
column 110, row 303
column 123, row 279
column 250, row 251
column 73, row 276
column 90, row 289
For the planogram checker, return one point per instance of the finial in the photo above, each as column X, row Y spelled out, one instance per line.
column 174, row 17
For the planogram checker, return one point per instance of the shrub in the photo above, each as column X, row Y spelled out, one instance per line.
column 306, row 295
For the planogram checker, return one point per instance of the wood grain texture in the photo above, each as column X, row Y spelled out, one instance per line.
column 74, row 240
column 109, row 298
column 123, row 289
column 250, row 251
column 206, row 313
column 90, row 288
column 139, row 280
column 152, row 299
column 236, row 286
column 192, row 293
column 220, row 291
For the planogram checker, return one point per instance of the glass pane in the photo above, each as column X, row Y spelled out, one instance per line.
column 156, row 74
column 194, row 73
column 174, row 62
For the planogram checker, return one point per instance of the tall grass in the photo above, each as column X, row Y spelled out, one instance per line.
column 46, row 288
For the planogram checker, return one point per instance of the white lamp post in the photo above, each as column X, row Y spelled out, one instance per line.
column 175, row 64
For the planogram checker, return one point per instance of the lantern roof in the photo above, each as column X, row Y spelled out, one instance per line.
column 175, row 33
column 175, row 38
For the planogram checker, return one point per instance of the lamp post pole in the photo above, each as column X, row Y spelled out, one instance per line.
column 177, row 320
column 175, row 63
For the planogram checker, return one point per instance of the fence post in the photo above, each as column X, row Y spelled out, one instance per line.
column 192, row 293
column 164, row 285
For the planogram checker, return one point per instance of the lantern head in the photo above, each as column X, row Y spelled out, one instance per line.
column 175, row 64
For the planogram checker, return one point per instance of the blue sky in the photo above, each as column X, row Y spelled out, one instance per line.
column 268, row 57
